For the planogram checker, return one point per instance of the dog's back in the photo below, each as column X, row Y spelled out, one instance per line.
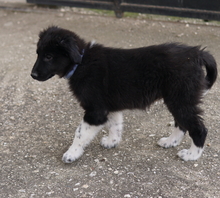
column 135, row 78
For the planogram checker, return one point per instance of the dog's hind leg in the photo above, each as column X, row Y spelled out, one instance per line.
column 198, row 133
column 188, row 118
column 193, row 153
column 115, row 126
column 83, row 136
column 174, row 139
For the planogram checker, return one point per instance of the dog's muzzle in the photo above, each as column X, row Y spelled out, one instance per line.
column 38, row 77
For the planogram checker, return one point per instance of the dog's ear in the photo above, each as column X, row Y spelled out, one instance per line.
column 72, row 49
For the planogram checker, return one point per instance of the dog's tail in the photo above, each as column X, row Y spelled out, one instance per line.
column 211, row 68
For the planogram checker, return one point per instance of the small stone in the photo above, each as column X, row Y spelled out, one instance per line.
column 49, row 193
column 127, row 195
column 12, row 118
column 96, row 160
column 116, row 172
column 85, row 186
column 92, row 174
column 195, row 165
column 22, row 190
column 103, row 160
column 171, row 124
column 180, row 35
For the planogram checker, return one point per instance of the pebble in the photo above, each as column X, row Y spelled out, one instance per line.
column 127, row 195
column 180, row 35
column 12, row 118
column 22, row 190
column 171, row 124
column 85, row 186
column 92, row 174
column 96, row 160
column 116, row 172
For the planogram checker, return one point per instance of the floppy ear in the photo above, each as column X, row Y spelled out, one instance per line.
column 72, row 50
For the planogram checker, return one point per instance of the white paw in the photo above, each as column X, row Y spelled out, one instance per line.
column 72, row 155
column 190, row 154
column 167, row 142
column 108, row 143
column 173, row 140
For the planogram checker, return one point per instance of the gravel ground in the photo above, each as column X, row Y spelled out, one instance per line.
column 38, row 120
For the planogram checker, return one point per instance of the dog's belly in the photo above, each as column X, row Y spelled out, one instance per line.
column 136, row 101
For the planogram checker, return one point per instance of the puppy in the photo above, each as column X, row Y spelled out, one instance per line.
column 107, row 80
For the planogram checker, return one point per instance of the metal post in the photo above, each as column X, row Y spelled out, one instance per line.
column 117, row 9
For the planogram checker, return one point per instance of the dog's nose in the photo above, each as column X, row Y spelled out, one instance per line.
column 34, row 75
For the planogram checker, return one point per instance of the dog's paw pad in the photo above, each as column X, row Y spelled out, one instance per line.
column 72, row 155
column 187, row 155
column 166, row 142
column 108, row 143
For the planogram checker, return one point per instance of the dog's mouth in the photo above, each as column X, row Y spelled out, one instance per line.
column 41, row 78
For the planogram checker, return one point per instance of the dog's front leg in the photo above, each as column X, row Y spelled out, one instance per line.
column 115, row 126
column 83, row 136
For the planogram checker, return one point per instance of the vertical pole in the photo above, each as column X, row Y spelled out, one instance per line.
column 117, row 8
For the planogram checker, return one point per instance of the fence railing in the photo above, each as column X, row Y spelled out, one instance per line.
column 203, row 9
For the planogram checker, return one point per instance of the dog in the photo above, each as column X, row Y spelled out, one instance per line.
column 108, row 80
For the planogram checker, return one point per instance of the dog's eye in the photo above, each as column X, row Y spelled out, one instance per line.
column 48, row 57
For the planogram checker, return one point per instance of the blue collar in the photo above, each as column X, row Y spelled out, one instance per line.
column 71, row 72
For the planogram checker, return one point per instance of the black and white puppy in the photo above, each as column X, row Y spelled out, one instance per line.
column 108, row 80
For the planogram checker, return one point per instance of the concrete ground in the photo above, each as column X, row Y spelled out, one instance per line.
column 38, row 120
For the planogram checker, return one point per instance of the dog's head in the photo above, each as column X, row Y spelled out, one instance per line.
column 58, row 50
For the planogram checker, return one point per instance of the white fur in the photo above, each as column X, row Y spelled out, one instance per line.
column 192, row 154
column 84, row 134
column 205, row 92
column 115, row 126
column 173, row 140
column 92, row 43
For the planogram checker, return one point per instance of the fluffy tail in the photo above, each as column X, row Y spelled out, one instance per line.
column 211, row 68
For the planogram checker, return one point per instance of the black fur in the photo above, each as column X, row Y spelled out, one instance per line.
column 109, row 79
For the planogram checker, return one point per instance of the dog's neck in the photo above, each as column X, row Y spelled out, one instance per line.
column 73, row 69
column 71, row 72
